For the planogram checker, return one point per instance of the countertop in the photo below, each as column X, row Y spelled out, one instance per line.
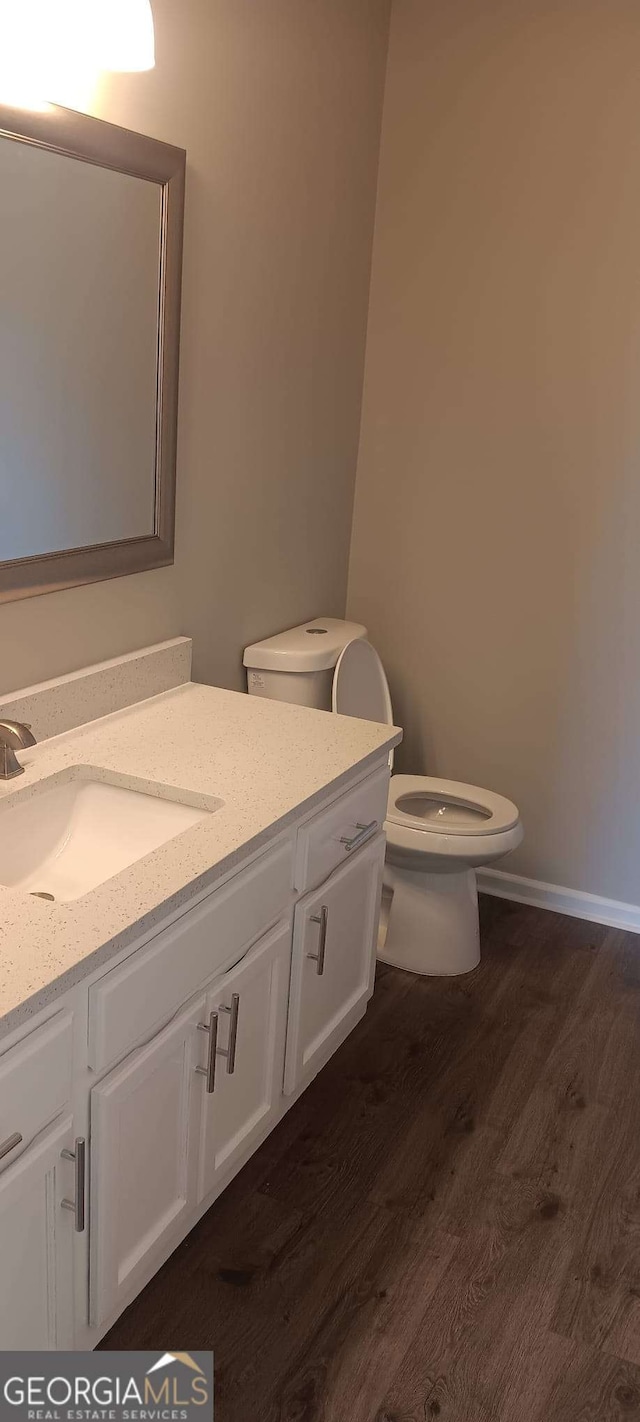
column 268, row 761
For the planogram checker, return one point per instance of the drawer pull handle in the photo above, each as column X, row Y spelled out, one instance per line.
column 78, row 1156
column 318, row 958
column 10, row 1144
column 214, row 1050
column 230, row 1051
column 210, row 1070
column 365, row 832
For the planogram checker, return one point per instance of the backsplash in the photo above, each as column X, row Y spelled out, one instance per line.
column 56, row 706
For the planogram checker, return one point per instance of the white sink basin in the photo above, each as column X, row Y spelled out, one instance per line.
column 72, row 834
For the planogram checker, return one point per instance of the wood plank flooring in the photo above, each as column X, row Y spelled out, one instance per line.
column 447, row 1224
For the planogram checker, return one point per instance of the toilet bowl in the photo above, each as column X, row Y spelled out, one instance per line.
column 438, row 831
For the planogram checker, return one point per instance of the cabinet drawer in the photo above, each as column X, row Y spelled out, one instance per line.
column 35, row 1084
column 340, row 830
column 136, row 997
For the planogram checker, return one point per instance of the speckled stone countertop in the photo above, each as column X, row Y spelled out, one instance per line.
column 268, row 761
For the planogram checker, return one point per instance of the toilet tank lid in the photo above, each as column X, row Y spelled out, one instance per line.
column 313, row 646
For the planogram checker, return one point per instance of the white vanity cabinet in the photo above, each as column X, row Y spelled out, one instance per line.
column 36, row 1245
column 178, row 1114
column 246, row 1015
column 335, row 933
column 39, row 1208
column 175, row 1063
column 144, row 1155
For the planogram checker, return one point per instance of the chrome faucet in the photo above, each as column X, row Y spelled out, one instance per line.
column 14, row 735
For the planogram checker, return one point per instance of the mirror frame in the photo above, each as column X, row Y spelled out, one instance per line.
column 91, row 140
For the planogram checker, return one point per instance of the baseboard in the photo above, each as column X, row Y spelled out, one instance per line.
column 559, row 900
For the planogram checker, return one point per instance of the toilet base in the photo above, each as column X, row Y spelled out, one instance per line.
column 433, row 925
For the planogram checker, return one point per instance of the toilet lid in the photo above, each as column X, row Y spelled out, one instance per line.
column 360, row 687
column 422, row 802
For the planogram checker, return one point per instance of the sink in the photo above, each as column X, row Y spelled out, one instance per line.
column 72, row 832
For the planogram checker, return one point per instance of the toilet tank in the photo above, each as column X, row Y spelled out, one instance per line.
column 298, row 665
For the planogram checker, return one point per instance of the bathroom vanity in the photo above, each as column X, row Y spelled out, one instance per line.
column 154, row 1029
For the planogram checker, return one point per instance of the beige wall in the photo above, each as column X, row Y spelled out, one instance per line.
column 278, row 104
column 496, row 546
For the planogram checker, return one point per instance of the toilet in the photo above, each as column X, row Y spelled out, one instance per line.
column 438, row 831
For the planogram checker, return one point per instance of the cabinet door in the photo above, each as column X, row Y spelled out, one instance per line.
column 334, row 954
column 36, row 1246
column 243, row 1095
column 144, row 1141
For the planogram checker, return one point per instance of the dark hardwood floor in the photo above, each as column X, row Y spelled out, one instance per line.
column 447, row 1224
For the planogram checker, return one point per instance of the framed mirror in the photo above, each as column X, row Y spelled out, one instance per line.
column 90, row 278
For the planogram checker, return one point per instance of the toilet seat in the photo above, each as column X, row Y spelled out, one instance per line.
column 431, row 823
column 430, row 849
column 427, row 805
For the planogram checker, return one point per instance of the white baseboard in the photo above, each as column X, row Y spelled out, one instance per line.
column 559, row 900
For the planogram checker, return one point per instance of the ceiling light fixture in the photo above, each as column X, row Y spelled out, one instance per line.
column 124, row 35
column 55, row 49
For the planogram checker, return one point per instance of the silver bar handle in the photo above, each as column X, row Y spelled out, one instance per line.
column 365, row 832
column 78, row 1205
column 230, row 1051
column 210, row 1070
column 318, row 958
column 10, row 1144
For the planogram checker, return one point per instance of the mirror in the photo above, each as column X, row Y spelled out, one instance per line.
column 90, row 270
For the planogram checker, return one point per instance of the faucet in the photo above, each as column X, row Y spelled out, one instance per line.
column 14, row 735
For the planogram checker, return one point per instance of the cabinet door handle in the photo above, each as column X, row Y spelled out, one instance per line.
column 318, row 958
column 10, row 1144
column 230, row 1051
column 79, row 1157
column 210, row 1070
column 365, row 832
